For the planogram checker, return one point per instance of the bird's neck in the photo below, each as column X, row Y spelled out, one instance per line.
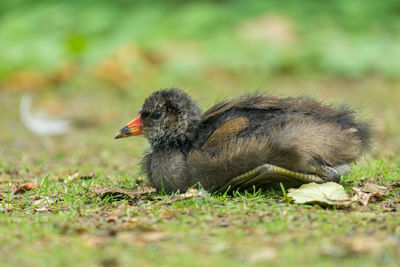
column 182, row 141
column 176, row 145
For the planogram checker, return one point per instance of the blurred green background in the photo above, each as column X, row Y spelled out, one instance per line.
column 94, row 62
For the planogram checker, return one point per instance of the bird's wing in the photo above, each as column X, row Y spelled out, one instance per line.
column 225, row 132
column 218, row 109
column 245, row 102
column 272, row 103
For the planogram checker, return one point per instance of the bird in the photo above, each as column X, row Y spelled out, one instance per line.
column 250, row 142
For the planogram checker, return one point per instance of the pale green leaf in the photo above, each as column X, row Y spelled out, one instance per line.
column 325, row 194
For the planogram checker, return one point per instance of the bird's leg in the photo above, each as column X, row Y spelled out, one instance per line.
column 268, row 173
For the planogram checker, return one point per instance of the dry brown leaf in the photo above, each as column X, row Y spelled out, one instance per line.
column 140, row 192
column 372, row 187
column 77, row 175
column 369, row 190
column 87, row 176
column 362, row 197
column 26, row 187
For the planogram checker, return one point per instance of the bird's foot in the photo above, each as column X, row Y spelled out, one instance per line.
column 333, row 173
column 269, row 174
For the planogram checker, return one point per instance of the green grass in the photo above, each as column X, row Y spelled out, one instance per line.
column 76, row 229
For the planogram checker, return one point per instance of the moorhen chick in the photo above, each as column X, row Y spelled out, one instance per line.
column 252, row 141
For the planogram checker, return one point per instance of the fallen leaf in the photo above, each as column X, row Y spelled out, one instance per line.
column 43, row 209
column 26, row 187
column 87, row 176
column 42, row 202
column 369, row 186
column 326, row 194
column 191, row 193
column 368, row 189
column 140, row 192
column 365, row 197
column 77, row 175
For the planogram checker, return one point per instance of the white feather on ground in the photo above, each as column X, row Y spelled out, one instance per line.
column 38, row 122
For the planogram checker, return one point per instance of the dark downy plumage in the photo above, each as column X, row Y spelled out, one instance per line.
column 238, row 135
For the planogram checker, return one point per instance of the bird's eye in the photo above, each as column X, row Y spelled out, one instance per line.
column 156, row 115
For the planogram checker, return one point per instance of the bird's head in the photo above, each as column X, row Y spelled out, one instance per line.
column 167, row 117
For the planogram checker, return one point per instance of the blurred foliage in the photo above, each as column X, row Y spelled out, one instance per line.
column 344, row 38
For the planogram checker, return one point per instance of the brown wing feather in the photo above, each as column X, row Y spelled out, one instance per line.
column 219, row 108
column 268, row 102
column 227, row 131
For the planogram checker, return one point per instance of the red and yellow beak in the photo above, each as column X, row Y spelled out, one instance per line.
column 131, row 129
